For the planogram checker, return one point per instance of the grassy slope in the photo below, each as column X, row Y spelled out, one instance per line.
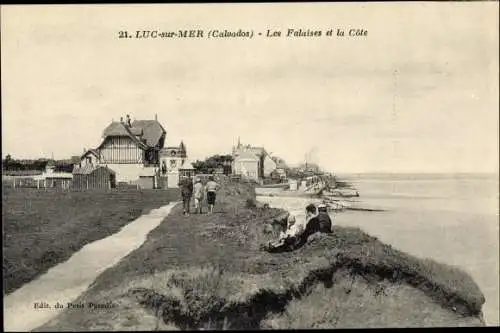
column 207, row 272
column 43, row 228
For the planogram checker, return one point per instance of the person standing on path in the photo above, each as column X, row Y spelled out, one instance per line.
column 198, row 195
column 211, row 188
column 186, row 185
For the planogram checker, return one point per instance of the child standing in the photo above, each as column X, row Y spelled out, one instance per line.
column 198, row 195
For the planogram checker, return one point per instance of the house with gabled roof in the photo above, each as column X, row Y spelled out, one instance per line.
column 174, row 164
column 252, row 162
column 130, row 149
column 281, row 168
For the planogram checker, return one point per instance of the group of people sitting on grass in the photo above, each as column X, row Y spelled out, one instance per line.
column 298, row 231
column 199, row 191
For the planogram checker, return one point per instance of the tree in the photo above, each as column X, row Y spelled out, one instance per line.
column 212, row 163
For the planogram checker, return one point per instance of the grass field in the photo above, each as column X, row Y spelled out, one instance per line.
column 206, row 271
column 43, row 228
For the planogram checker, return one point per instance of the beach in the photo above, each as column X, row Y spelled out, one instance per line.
column 450, row 218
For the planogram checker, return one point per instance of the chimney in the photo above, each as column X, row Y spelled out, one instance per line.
column 156, row 116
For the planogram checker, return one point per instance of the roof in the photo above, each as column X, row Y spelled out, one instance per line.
column 116, row 128
column 181, row 150
column 143, row 132
column 257, row 150
column 92, row 151
column 246, row 155
column 88, row 169
column 152, row 131
column 281, row 165
column 65, row 175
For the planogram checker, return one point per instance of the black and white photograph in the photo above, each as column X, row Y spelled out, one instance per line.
column 248, row 166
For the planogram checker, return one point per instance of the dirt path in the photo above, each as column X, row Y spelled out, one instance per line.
column 66, row 281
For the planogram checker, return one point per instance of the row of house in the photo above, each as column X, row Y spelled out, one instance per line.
column 134, row 153
column 255, row 163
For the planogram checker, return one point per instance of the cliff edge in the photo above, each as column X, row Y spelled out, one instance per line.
column 207, row 272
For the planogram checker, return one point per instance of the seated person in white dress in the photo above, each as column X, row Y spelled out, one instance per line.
column 296, row 232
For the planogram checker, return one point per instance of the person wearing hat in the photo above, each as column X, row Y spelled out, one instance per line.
column 186, row 185
column 318, row 221
column 198, row 195
column 325, row 223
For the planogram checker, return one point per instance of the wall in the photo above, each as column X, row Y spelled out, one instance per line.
column 248, row 169
column 146, row 182
column 120, row 150
column 93, row 160
column 178, row 162
column 269, row 166
column 99, row 179
column 173, row 180
column 126, row 172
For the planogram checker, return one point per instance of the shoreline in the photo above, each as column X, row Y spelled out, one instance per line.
column 217, row 257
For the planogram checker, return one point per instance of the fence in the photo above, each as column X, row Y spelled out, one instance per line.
column 22, row 182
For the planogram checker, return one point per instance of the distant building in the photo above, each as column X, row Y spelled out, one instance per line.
column 310, row 168
column 187, row 169
column 174, row 164
column 51, row 179
column 252, row 162
column 281, row 167
column 247, row 165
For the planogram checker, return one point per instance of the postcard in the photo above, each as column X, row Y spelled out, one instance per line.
column 250, row 165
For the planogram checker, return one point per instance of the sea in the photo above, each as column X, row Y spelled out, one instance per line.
column 451, row 218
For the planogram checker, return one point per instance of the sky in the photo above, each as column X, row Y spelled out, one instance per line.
column 419, row 93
